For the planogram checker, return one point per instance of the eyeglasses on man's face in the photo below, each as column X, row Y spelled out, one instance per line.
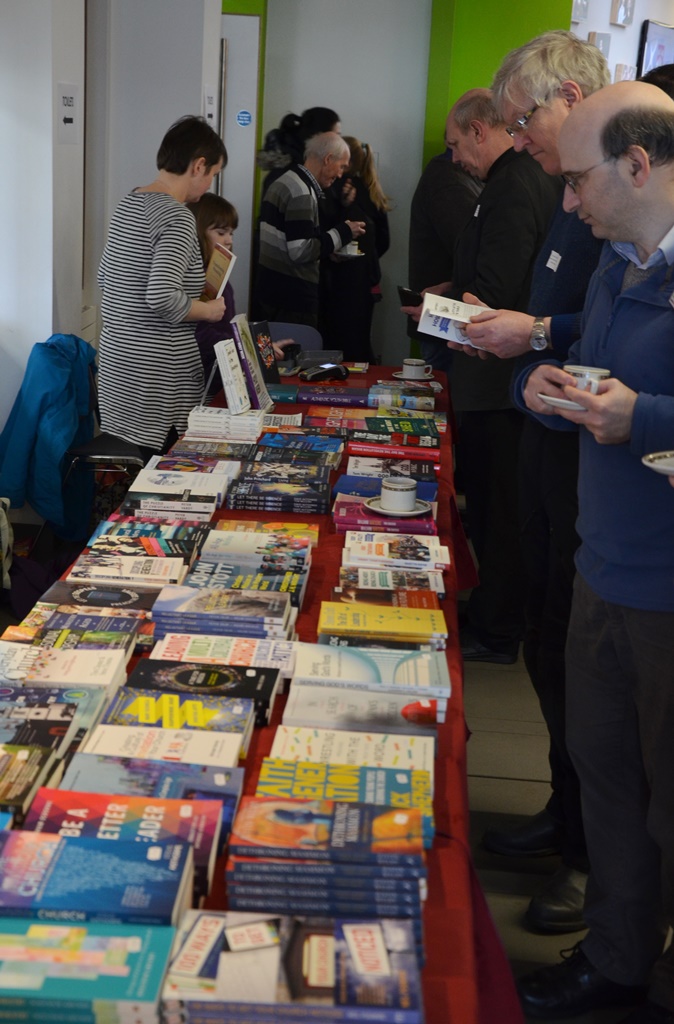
column 519, row 124
column 574, row 180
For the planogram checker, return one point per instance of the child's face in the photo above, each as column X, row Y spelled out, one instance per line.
column 225, row 236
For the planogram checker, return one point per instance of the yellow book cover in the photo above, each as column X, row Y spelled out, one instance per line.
column 380, row 620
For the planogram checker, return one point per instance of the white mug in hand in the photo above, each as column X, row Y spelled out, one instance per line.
column 588, row 378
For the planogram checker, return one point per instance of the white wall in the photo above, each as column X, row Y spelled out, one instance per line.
column 369, row 62
column 624, row 45
column 41, row 43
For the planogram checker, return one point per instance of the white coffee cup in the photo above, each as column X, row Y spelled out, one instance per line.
column 588, row 378
column 416, row 369
column 398, row 494
column 350, row 249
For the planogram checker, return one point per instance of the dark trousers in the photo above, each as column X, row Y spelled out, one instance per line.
column 487, row 455
column 620, row 714
column 548, row 512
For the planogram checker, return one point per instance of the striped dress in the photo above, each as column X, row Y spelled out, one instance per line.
column 150, row 372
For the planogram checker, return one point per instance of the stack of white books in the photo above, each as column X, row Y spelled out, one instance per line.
column 207, row 422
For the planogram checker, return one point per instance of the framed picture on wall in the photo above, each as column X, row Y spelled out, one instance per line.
column 579, row 10
column 625, row 73
column 602, row 40
column 656, row 46
column 622, row 12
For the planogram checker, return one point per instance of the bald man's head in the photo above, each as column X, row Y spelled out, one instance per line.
column 617, row 154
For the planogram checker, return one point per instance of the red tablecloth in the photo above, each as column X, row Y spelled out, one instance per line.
column 467, row 978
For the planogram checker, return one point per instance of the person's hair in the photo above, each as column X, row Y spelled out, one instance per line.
column 188, row 139
column 663, row 77
column 362, row 164
column 535, row 71
column 212, row 211
column 325, row 144
column 648, row 127
column 477, row 105
column 317, row 120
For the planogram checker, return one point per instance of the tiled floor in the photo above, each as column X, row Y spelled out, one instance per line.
column 508, row 779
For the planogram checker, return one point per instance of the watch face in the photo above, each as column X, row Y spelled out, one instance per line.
column 538, row 342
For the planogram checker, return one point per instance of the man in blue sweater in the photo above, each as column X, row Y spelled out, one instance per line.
column 535, row 89
column 617, row 151
column 292, row 242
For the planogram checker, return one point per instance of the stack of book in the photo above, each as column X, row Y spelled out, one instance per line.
column 281, row 487
column 293, row 447
column 165, row 492
column 423, row 472
column 416, row 628
column 404, row 551
column 205, row 422
column 220, row 611
column 143, row 571
column 401, row 394
column 212, row 449
column 254, row 562
column 346, row 837
column 241, row 967
column 356, row 507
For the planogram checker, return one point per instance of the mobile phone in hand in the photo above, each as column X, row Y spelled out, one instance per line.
column 408, row 297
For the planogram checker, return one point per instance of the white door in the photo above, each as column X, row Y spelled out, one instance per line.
column 240, row 70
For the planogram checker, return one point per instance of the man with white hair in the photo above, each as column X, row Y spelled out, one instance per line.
column 617, row 154
column 292, row 242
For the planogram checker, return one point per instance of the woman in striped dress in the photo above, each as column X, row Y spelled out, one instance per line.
column 152, row 274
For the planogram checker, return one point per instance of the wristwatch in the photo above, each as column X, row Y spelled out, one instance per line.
column 537, row 340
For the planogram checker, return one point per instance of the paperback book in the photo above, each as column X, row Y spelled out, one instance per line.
column 59, row 878
column 218, row 272
column 398, row 439
column 272, row 495
column 389, row 426
column 220, row 611
column 262, row 337
column 378, row 621
column 138, row 820
column 23, row 769
column 233, row 380
column 46, row 666
column 363, row 467
column 339, row 707
column 228, row 450
column 236, row 682
column 309, row 530
column 247, row 578
column 317, row 872
column 140, row 777
column 72, row 969
column 378, row 449
column 68, row 631
column 418, row 673
column 331, row 394
column 226, row 651
column 177, row 746
column 397, row 787
column 391, row 579
column 256, row 548
column 393, row 598
column 337, row 746
column 329, row 830
column 406, row 551
column 247, row 966
column 350, row 512
column 250, row 363
column 91, row 570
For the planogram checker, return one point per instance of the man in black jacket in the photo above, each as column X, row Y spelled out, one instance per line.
column 494, row 258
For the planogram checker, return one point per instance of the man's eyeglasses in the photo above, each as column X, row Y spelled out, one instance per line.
column 520, row 124
column 573, row 180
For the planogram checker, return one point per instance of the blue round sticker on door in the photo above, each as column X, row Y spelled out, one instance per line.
column 244, row 118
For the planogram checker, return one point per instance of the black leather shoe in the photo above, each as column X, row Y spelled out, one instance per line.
column 559, row 907
column 540, row 836
column 572, row 987
column 473, row 650
column 649, row 1013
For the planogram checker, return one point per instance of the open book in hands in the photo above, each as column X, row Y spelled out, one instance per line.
column 441, row 316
